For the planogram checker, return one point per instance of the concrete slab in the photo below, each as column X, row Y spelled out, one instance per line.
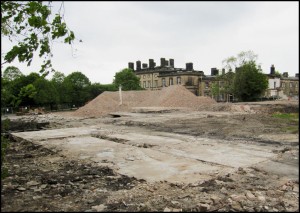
column 166, row 156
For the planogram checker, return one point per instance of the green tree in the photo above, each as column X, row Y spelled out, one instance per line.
column 17, row 89
column 11, row 73
column 249, row 82
column 77, row 88
column 46, row 93
column 58, row 82
column 127, row 79
column 25, row 96
column 31, row 25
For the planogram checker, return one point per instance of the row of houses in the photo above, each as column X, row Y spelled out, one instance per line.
column 153, row 77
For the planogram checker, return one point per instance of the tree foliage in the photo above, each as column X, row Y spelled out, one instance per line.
column 11, row 73
column 77, row 86
column 249, row 82
column 232, row 62
column 127, row 79
column 31, row 25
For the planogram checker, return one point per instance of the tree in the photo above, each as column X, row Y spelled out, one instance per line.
column 25, row 96
column 243, row 57
column 11, row 73
column 77, row 88
column 249, row 82
column 46, row 92
column 30, row 24
column 127, row 79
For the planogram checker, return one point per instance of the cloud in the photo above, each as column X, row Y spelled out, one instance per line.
column 205, row 33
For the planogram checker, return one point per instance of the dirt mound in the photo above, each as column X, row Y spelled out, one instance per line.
column 172, row 96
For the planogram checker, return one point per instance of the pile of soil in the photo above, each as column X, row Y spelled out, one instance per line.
column 172, row 96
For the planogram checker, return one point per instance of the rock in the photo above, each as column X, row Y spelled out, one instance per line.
column 296, row 188
column 167, row 209
column 203, row 207
column 261, row 198
column 224, row 190
column 284, row 187
column 215, row 199
column 36, row 197
column 32, row 183
column 241, row 170
column 43, row 186
column 237, row 198
column 236, row 206
column 99, row 208
column 250, row 196
column 275, row 193
column 176, row 210
column 21, row 189
column 174, row 202
column 90, row 201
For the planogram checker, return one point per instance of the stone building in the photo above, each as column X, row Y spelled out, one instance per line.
column 282, row 86
column 216, row 85
column 154, row 77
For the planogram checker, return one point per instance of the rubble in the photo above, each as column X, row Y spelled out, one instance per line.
column 43, row 178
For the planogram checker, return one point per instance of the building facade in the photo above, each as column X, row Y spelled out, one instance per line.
column 156, row 77
column 282, row 86
column 216, row 85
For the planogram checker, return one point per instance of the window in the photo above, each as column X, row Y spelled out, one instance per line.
column 283, row 85
column 163, row 82
column 149, row 84
column 291, row 84
column 170, row 81
column 144, row 76
column 155, row 83
column 144, row 84
column 190, row 81
column 178, row 80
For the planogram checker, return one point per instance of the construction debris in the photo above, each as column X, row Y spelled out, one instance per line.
column 172, row 96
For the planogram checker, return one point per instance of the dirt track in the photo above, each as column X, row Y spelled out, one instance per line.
column 66, row 175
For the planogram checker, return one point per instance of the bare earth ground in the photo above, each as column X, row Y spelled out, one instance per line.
column 157, row 159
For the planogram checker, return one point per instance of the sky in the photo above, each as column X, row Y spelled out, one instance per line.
column 114, row 33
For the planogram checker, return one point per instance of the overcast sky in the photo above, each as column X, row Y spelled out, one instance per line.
column 204, row 33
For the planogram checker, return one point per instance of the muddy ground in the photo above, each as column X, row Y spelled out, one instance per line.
column 44, row 179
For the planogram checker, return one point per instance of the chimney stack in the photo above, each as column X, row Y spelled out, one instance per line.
column 138, row 65
column 189, row 66
column 144, row 65
column 214, row 71
column 162, row 62
column 285, row 74
column 172, row 63
column 272, row 70
column 131, row 65
column 151, row 64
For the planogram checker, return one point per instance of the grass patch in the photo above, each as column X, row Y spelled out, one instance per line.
column 291, row 129
column 288, row 116
column 289, row 122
